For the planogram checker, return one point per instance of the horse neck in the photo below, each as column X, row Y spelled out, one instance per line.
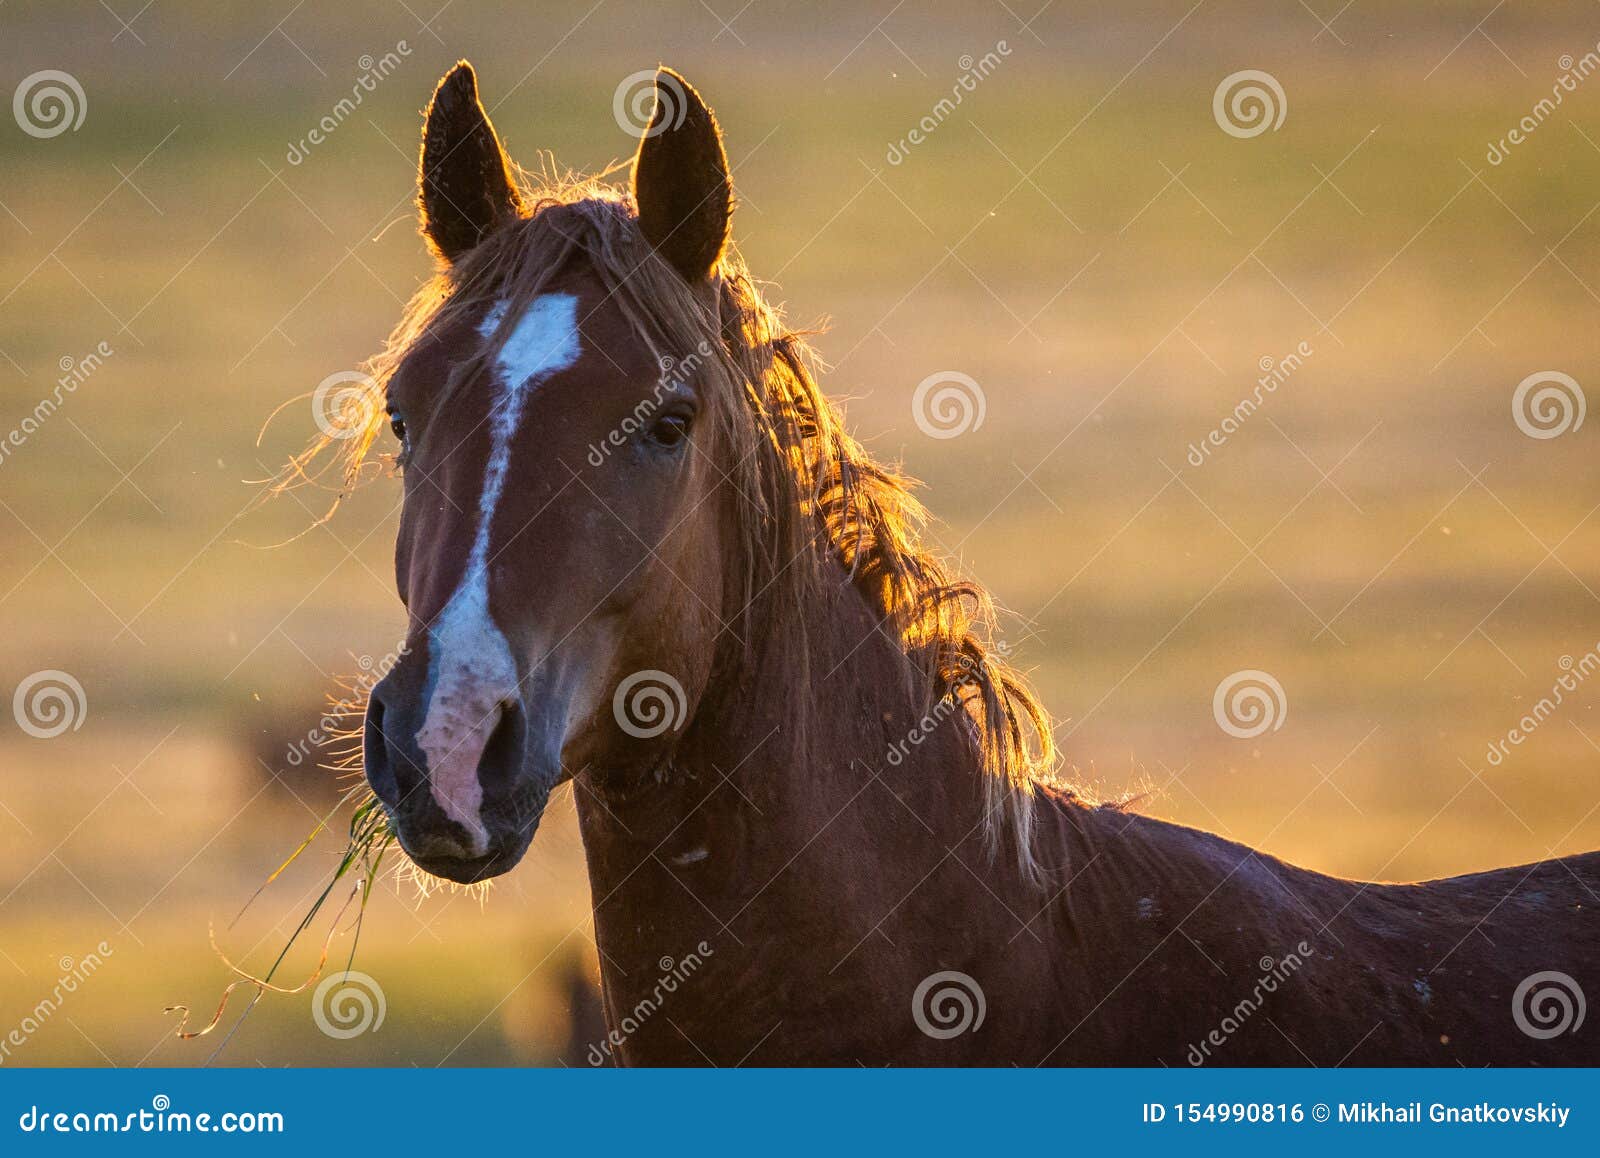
column 751, row 896
column 785, row 836
column 817, row 886
column 772, row 757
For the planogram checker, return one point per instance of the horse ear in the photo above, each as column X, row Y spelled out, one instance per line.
column 680, row 180
column 464, row 184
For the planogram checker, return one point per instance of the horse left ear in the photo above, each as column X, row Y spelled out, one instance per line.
column 464, row 183
column 681, row 184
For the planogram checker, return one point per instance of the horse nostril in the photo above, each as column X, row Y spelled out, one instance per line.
column 375, row 755
column 498, row 762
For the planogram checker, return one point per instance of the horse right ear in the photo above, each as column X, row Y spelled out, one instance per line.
column 681, row 183
column 464, row 185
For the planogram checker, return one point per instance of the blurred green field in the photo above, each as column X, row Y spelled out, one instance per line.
column 1079, row 237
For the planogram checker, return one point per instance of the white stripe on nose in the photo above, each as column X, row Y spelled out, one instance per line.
column 471, row 672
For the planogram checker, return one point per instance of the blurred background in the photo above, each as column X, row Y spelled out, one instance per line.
column 1081, row 234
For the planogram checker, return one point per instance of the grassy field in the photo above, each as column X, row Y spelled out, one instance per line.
column 1079, row 236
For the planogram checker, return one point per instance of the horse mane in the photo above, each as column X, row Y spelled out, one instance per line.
column 811, row 499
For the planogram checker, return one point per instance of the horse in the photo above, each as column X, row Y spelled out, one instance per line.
column 639, row 553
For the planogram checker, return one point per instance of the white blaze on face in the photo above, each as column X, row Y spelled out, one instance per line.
column 471, row 671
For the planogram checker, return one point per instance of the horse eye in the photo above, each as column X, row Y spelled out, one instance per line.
column 398, row 425
column 670, row 430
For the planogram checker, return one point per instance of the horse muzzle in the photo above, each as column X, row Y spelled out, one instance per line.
column 463, row 786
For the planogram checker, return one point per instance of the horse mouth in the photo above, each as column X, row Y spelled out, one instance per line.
column 465, row 870
column 441, row 850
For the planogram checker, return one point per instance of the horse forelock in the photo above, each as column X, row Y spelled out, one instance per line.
column 808, row 491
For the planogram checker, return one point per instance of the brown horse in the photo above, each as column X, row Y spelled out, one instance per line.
column 640, row 553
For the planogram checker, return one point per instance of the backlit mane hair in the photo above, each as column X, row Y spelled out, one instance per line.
column 810, row 498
